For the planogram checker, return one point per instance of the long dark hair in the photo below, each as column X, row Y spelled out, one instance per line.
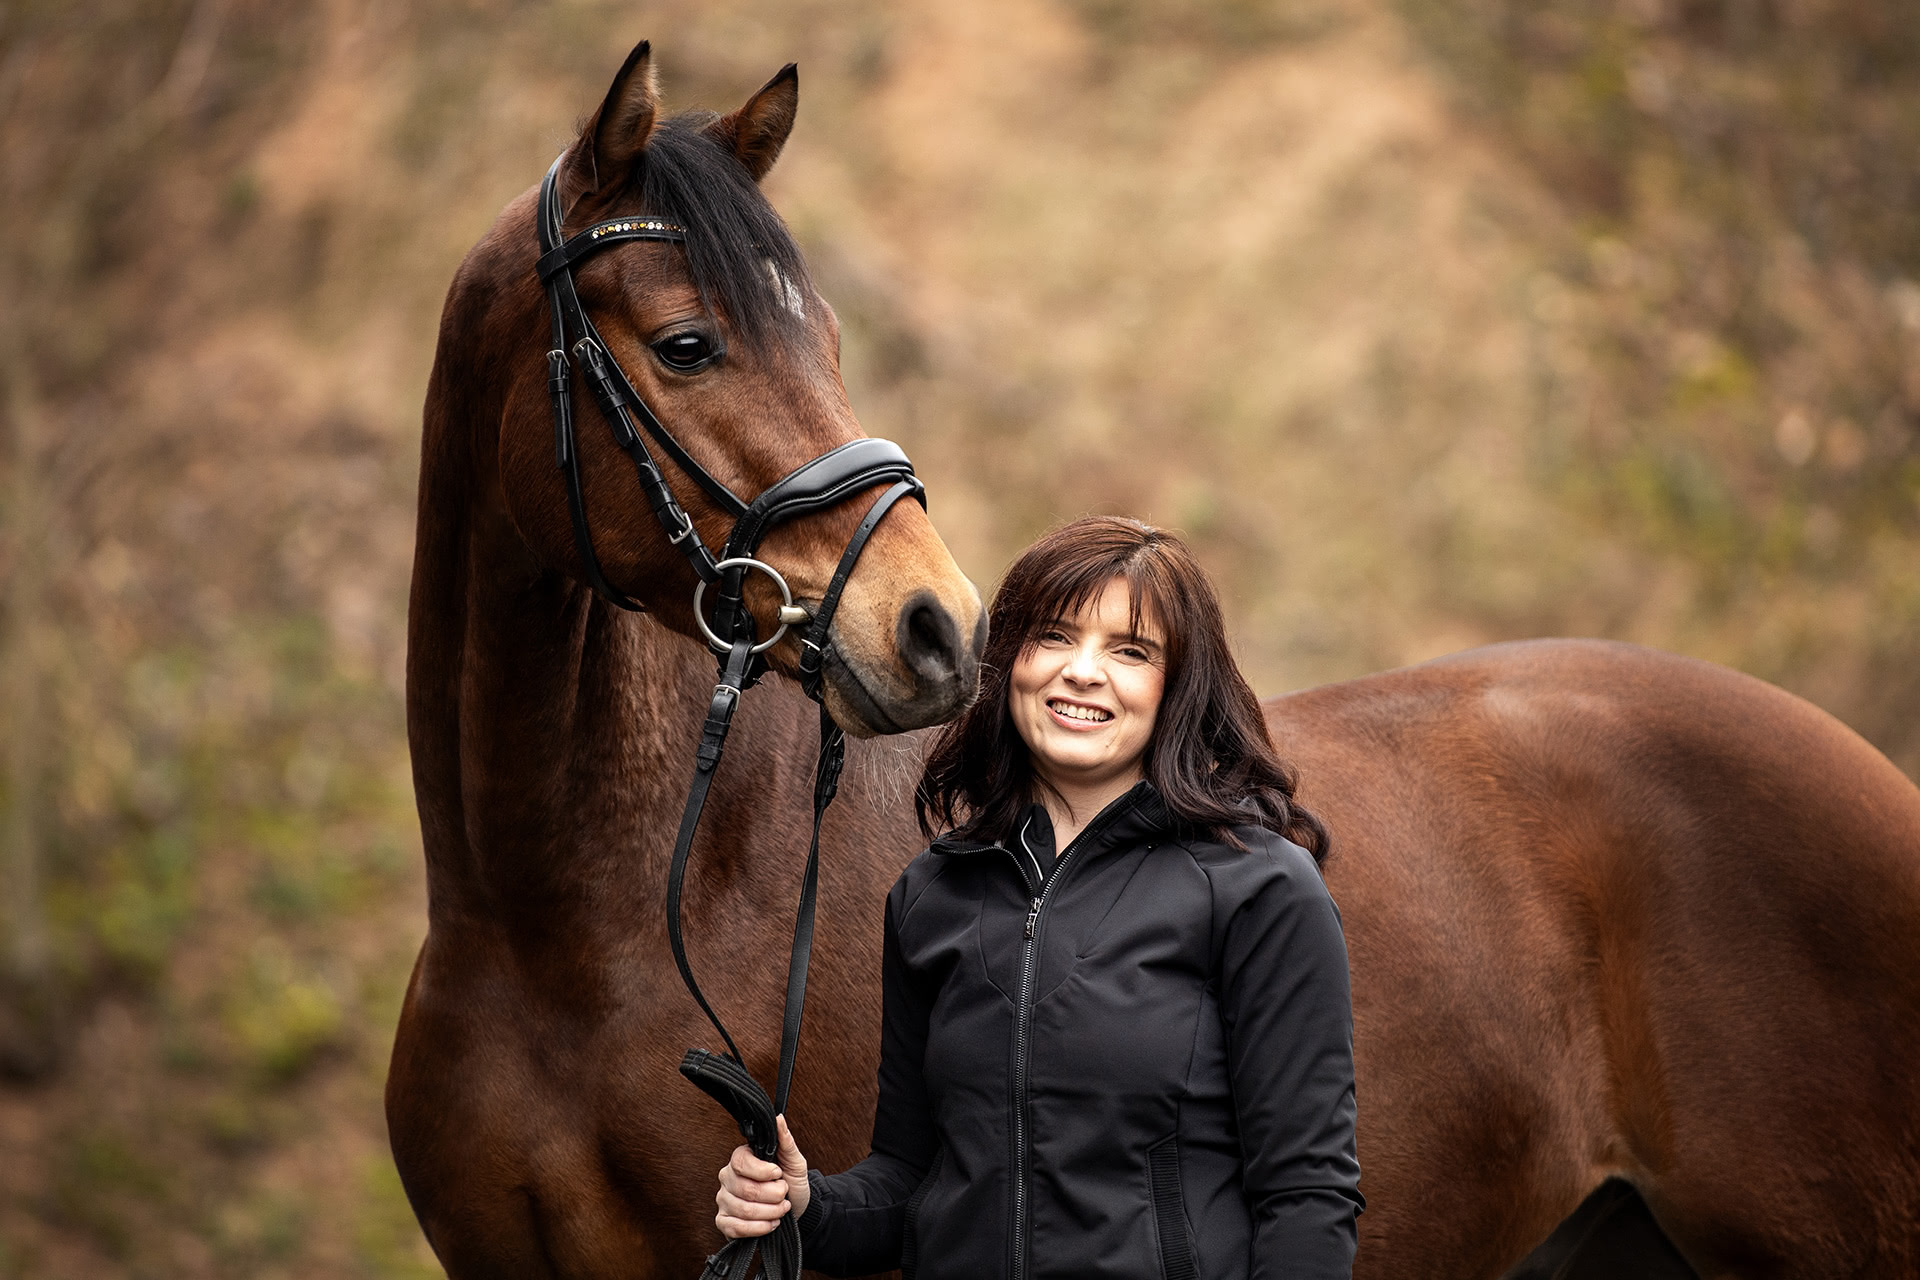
column 1210, row 757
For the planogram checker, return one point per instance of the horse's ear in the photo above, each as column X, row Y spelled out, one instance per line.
column 757, row 131
column 616, row 135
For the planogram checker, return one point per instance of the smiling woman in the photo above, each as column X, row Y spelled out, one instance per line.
column 1116, row 586
column 1084, row 696
column 1132, row 1056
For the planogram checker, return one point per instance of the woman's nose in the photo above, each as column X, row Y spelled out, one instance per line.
column 1084, row 667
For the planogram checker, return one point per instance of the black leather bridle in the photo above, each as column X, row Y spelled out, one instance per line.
column 825, row 481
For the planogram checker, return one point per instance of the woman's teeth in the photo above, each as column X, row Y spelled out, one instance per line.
column 1072, row 712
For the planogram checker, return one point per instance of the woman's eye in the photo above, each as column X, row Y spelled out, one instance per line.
column 685, row 351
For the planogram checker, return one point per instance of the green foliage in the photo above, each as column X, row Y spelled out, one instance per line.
column 256, row 748
column 241, row 808
column 100, row 1184
column 261, row 1230
column 132, row 905
column 282, row 1018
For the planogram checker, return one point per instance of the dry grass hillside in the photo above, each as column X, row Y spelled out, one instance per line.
column 1433, row 322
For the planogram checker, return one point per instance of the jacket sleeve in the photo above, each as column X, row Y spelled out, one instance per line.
column 1288, row 1014
column 855, row 1220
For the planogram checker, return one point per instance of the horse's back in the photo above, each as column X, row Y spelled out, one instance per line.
column 1614, row 912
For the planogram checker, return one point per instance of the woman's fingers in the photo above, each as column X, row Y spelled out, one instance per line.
column 751, row 1167
column 765, row 1193
column 753, row 1195
column 732, row 1206
column 792, row 1163
column 740, row 1216
column 736, row 1228
column 762, row 1190
column 755, row 1192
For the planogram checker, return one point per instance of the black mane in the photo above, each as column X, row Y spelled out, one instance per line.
column 687, row 177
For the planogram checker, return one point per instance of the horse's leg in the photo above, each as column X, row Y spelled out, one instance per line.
column 479, row 1217
column 494, row 1237
column 499, row 1157
column 1480, row 1097
column 516, row 1189
column 1761, row 992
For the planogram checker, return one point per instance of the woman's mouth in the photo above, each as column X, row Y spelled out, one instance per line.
column 1077, row 712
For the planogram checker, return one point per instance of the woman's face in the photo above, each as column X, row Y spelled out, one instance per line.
column 1084, row 696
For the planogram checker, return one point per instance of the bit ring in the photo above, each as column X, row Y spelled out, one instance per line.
column 745, row 562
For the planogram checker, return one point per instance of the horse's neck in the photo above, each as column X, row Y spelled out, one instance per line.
column 552, row 735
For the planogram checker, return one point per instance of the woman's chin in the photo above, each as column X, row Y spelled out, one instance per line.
column 1080, row 769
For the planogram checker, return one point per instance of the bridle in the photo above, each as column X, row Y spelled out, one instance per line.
column 822, row 482
column 825, row 481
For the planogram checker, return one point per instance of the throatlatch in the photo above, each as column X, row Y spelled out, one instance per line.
column 825, row 481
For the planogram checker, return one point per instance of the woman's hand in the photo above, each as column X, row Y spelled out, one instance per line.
column 755, row 1194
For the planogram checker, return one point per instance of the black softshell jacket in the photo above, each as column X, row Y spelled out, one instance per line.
column 1135, row 1061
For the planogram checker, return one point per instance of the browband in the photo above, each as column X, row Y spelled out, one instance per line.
column 601, row 234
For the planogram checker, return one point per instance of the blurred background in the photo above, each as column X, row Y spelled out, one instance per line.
column 1432, row 322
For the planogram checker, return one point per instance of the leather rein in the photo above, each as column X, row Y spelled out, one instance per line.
column 823, row 482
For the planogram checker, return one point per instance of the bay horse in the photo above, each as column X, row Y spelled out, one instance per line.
column 1635, row 940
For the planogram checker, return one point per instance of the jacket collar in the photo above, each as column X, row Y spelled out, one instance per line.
column 1136, row 816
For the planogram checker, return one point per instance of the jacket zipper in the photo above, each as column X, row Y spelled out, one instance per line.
column 1023, row 1014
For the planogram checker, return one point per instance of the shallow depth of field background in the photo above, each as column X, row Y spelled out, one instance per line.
column 1431, row 322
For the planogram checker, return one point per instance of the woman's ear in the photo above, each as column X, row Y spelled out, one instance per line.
column 757, row 131
column 609, row 146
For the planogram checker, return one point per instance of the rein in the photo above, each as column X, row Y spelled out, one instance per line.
column 825, row 481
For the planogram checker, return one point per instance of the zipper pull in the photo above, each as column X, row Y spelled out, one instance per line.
column 1032, row 916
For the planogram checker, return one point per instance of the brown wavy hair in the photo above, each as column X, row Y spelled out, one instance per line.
column 1210, row 757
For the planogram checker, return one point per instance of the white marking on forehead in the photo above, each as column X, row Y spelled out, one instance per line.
column 789, row 293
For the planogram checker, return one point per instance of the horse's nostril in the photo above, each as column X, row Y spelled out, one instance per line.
column 929, row 641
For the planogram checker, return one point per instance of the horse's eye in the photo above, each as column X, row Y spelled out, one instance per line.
column 685, row 351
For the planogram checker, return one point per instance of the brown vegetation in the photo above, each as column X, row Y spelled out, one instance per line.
column 1432, row 323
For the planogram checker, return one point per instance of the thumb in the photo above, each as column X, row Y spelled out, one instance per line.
column 792, row 1163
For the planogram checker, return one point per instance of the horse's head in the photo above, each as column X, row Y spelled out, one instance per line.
column 723, row 336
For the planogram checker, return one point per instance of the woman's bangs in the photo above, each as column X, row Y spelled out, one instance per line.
column 1073, row 586
column 1151, row 597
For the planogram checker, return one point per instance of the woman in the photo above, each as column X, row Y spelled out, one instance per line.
column 1117, row 1035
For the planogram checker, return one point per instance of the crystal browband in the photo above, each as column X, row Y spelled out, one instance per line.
column 636, row 224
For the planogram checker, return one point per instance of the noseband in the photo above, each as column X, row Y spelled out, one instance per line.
column 826, row 481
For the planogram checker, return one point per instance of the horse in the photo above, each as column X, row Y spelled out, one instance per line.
column 1635, row 940
column 533, row 1105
